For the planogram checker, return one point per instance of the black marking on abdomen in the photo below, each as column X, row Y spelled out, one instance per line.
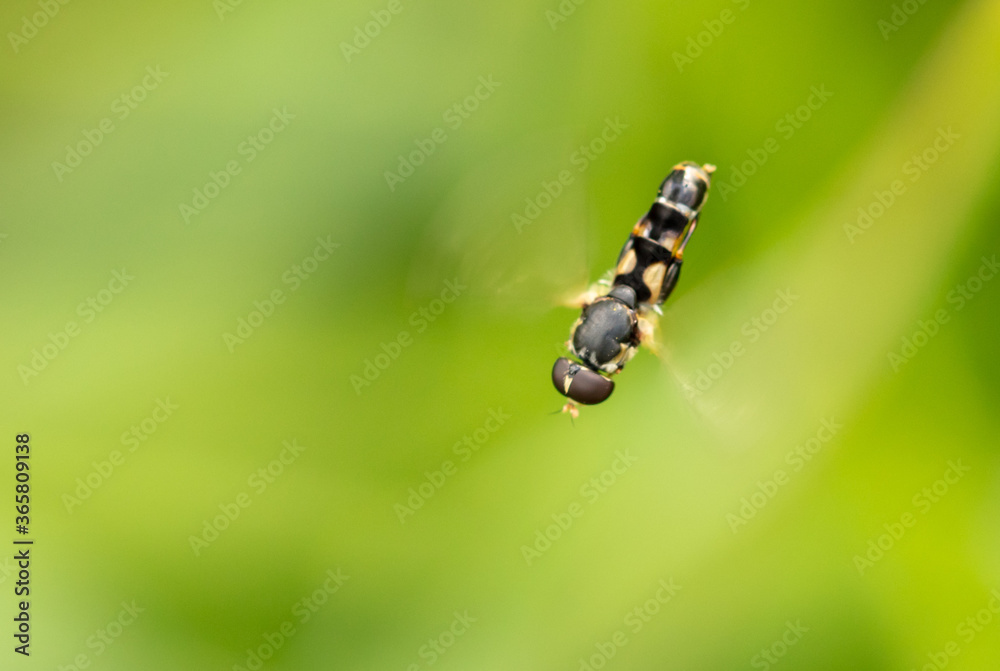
column 663, row 224
column 647, row 253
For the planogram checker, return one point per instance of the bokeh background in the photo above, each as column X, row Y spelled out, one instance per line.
column 765, row 568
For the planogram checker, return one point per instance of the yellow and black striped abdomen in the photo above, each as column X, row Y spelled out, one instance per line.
column 645, row 266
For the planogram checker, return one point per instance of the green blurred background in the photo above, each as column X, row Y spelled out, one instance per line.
column 767, row 569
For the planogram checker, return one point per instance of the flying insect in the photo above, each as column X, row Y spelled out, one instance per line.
column 614, row 324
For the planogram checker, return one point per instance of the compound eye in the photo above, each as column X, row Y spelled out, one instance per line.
column 580, row 383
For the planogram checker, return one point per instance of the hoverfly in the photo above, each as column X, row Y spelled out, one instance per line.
column 613, row 325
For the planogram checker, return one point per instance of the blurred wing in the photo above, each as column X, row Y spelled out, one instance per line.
column 511, row 231
column 695, row 333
